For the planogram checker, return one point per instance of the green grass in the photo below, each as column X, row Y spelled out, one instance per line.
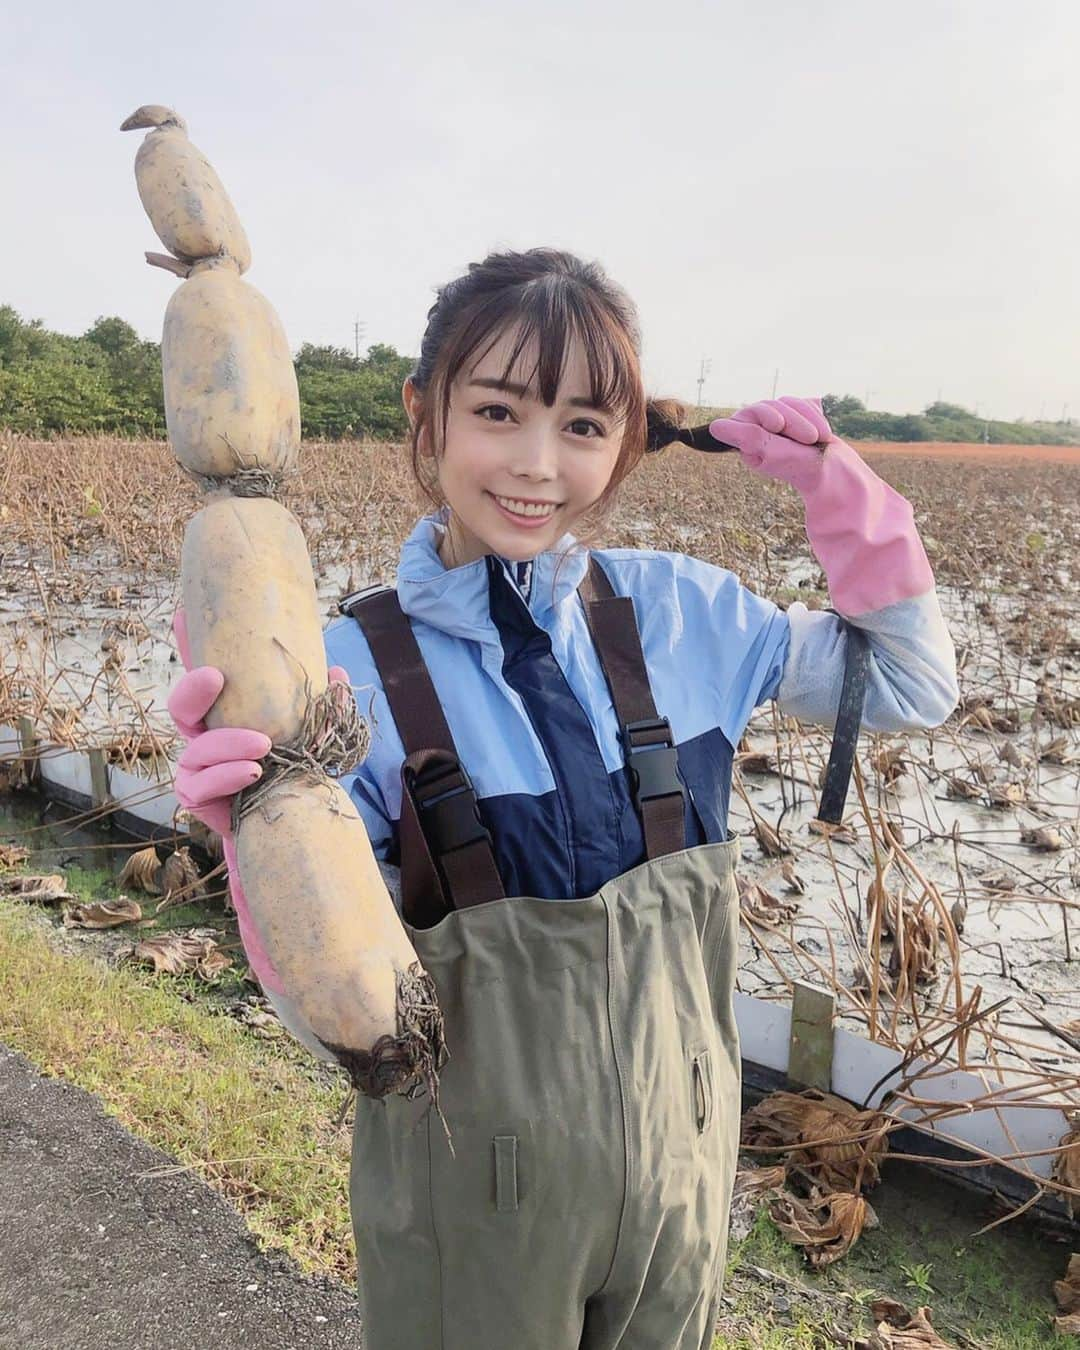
column 995, row 1290
column 99, row 883
column 254, row 1119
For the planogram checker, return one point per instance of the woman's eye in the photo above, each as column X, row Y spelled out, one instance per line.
column 592, row 428
column 493, row 408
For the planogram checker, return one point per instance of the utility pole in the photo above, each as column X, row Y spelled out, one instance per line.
column 706, row 366
column 358, row 329
column 775, row 380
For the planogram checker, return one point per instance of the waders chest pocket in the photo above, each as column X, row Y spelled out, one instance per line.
column 702, row 1089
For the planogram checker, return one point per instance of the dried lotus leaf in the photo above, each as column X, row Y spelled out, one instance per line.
column 826, row 1227
column 838, row 831
column 1067, row 1291
column 757, row 905
column 756, row 761
column 899, row 1329
column 178, row 954
column 180, row 879
column 103, row 914
column 142, row 872
column 11, row 855
column 836, row 1143
column 1066, row 1168
column 43, row 890
column 770, row 841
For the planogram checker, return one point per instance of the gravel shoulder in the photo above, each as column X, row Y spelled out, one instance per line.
column 97, row 1251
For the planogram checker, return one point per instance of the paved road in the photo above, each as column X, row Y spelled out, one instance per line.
column 95, row 1255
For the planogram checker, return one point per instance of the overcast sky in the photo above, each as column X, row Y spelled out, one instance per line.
column 874, row 198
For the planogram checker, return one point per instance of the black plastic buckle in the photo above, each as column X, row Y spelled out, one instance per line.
column 447, row 806
column 346, row 603
column 654, row 767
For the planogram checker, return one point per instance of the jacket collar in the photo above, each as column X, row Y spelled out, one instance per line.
column 456, row 601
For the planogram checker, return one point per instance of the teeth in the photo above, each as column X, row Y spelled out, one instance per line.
column 524, row 508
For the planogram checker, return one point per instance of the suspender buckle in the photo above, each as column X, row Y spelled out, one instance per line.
column 446, row 803
column 652, row 759
column 346, row 602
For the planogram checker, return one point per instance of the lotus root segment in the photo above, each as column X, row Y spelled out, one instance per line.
column 187, row 204
column 231, row 400
column 251, row 607
column 331, row 931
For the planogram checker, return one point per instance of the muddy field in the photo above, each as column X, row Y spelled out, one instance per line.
column 987, row 454
column 945, row 913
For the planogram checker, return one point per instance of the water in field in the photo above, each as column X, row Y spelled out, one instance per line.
column 89, row 645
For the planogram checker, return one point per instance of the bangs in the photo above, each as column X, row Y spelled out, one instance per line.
column 539, row 303
column 548, row 314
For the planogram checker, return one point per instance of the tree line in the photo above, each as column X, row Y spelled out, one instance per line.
column 849, row 417
column 108, row 380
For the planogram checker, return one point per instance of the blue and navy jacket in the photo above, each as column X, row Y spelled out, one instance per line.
column 531, row 715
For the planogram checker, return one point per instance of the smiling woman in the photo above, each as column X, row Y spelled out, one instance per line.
column 555, row 338
column 554, row 733
column 518, row 474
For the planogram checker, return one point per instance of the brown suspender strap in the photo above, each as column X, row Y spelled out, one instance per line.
column 447, row 857
column 648, row 744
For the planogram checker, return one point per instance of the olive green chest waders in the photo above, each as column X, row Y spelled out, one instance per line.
column 592, row 1089
column 593, row 1097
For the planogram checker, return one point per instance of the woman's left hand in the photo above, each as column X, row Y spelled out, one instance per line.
column 779, row 438
column 862, row 530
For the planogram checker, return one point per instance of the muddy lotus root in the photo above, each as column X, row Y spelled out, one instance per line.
column 231, row 399
column 188, row 207
column 313, row 887
column 329, row 897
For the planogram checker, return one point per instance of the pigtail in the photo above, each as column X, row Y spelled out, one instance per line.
column 665, row 419
column 664, row 424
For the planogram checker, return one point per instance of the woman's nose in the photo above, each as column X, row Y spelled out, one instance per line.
column 536, row 455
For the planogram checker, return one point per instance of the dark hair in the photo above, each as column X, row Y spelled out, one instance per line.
column 552, row 297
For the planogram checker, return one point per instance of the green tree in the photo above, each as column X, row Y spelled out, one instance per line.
column 20, row 341
column 311, row 357
column 840, row 405
column 340, row 396
column 115, row 337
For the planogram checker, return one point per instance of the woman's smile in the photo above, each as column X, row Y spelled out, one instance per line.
column 526, row 513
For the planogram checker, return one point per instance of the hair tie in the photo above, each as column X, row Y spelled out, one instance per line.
column 661, row 433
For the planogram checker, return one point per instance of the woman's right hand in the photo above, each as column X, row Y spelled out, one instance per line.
column 215, row 764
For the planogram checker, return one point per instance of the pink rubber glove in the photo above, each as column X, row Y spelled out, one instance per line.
column 212, row 768
column 214, row 765
column 861, row 530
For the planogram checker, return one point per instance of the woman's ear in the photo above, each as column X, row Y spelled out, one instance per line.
column 410, row 397
column 413, row 399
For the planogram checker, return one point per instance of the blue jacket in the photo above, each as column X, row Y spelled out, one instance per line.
column 530, row 712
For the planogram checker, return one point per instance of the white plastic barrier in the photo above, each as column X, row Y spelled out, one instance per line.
column 862, row 1070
